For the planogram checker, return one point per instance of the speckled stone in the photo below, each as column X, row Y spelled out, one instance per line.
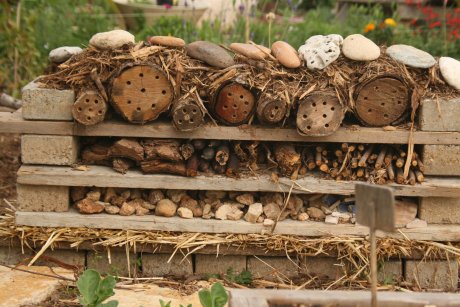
column 319, row 51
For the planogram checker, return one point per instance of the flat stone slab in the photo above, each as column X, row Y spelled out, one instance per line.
column 21, row 288
column 411, row 56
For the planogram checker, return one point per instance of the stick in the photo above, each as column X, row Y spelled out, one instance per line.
column 367, row 153
column 380, row 158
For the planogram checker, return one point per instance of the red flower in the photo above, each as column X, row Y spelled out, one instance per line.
column 167, row 6
column 435, row 24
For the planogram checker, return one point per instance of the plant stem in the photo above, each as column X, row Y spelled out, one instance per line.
column 16, row 51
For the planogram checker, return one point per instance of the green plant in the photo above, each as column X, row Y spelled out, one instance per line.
column 164, row 304
column 242, row 278
column 94, row 289
column 217, row 297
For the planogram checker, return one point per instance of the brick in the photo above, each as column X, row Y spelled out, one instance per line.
column 440, row 210
column 72, row 257
column 38, row 198
column 272, row 267
column 390, row 272
column 325, row 268
column 117, row 266
column 433, row 274
column 440, row 115
column 13, row 255
column 157, row 265
column 441, row 160
column 49, row 149
column 47, row 104
column 210, row 264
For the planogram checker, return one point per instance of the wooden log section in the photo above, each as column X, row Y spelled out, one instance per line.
column 381, row 101
column 271, row 112
column 89, row 108
column 233, row 104
column 186, row 115
column 319, row 114
column 141, row 93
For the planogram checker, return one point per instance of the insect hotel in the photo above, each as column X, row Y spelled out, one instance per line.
column 162, row 158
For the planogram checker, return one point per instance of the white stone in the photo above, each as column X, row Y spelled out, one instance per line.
column 269, row 222
column 254, row 211
column 62, row 54
column 112, row 39
column 331, row 219
column 185, row 213
column 411, row 56
column 319, row 51
column 359, row 48
column 229, row 212
column 450, row 71
column 417, row 223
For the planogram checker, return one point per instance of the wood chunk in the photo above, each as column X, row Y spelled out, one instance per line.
column 270, row 111
column 233, row 104
column 127, row 148
column 187, row 115
column 381, row 101
column 187, row 150
column 169, row 150
column 222, row 154
column 96, row 154
column 288, row 158
column 89, row 108
column 122, row 165
column 141, row 93
column 163, row 167
column 319, row 114
column 192, row 166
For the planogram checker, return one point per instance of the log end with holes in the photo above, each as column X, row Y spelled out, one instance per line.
column 89, row 109
column 319, row 114
column 233, row 104
column 381, row 101
column 141, row 93
column 186, row 115
column 271, row 112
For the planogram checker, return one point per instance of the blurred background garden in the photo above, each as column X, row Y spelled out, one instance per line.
column 30, row 29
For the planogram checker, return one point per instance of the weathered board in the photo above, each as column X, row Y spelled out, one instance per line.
column 101, row 176
column 287, row 227
column 14, row 123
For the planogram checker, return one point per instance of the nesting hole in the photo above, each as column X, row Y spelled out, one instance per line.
column 385, row 115
column 308, row 127
column 365, row 98
column 88, row 118
column 194, row 111
column 191, row 120
column 163, row 92
column 138, row 108
column 314, row 104
column 141, row 75
column 87, row 100
column 304, row 116
column 184, row 110
column 326, row 125
column 129, row 101
column 225, row 106
column 246, row 102
column 99, row 112
column 369, row 111
column 241, row 97
column 128, row 82
column 324, row 103
column 332, row 108
column 79, row 109
column 324, row 115
column 143, row 90
column 229, row 94
column 382, row 104
column 157, row 77
column 153, row 106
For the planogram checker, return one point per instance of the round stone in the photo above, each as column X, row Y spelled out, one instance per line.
column 450, row 71
column 62, row 54
column 249, row 51
column 286, row 54
column 411, row 56
column 210, row 53
column 168, row 41
column 112, row 40
column 359, row 48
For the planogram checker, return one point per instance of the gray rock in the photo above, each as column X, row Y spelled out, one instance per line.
column 112, row 39
column 62, row 54
column 210, row 53
column 359, row 48
column 411, row 56
column 450, row 71
column 319, row 51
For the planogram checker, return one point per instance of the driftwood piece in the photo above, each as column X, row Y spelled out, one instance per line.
column 162, row 149
column 233, row 104
column 186, row 115
column 127, row 148
column 122, row 165
column 271, row 112
column 96, row 154
column 89, row 108
column 381, row 101
column 162, row 167
column 141, row 93
column 288, row 158
column 319, row 114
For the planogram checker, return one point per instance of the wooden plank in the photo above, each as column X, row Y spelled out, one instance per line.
column 101, row 176
column 13, row 123
column 72, row 219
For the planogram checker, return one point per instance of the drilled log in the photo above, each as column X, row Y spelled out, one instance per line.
column 141, row 93
column 89, row 108
column 271, row 112
column 381, row 101
column 186, row 115
column 168, row 150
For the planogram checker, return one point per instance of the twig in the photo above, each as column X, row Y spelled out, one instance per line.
column 37, row 273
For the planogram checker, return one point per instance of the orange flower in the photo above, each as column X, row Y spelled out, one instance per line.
column 369, row 27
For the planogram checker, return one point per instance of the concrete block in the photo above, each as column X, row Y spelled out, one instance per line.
column 390, row 272
column 40, row 198
column 440, row 115
column 72, row 257
column 440, row 210
column 273, row 268
column 325, row 268
column 13, row 255
column 157, row 265
column 47, row 104
column 49, row 149
column 441, row 275
column 210, row 264
column 116, row 265
column 441, row 160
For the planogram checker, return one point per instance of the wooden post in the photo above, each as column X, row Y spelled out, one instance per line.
column 186, row 115
column 89, row 108
column 141, row 93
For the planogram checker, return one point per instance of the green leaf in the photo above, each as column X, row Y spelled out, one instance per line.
column 164, row 304
column 105, row 289
column 205, row 298
column 219, row 295
column 88, row 284
column 108, row 304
